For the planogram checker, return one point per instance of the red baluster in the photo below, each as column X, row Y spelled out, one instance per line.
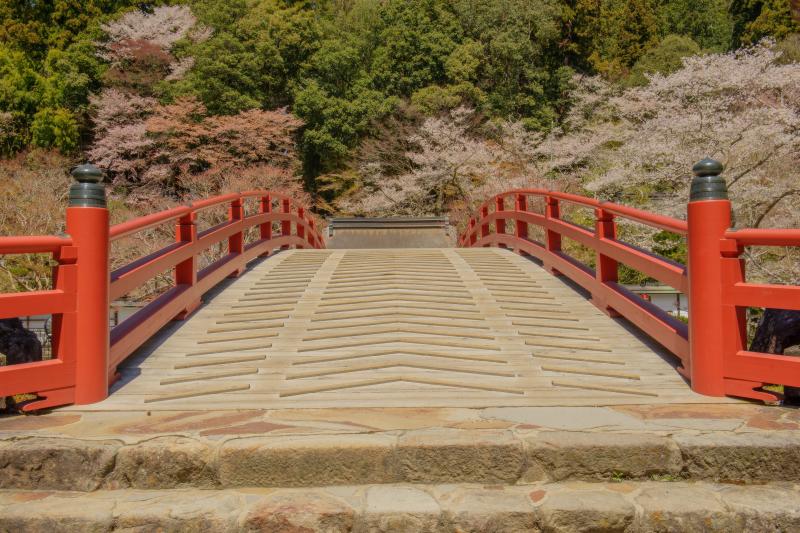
column 265, row 229
column 552, row 211
column 521, row 206
column 286, row 225
column 500, row 223
column 186, row 271
column 606, row 268
column 236, row 241
column 484, row 224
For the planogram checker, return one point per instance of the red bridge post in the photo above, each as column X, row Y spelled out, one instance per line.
column 312, row 240
column 299, row 228
column 552, row 242
column 473, row 238
column 236, row 241
column 286, row 225
column 265, row 230
column 708, row 217
column 521, row 206
column 87, row 224
column 186, row 271
column 499, row 222
column 520, row 226
column 485, row 226
column 606, row 268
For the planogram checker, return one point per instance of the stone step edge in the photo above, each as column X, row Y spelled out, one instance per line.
column 422, row 456
column 570, row 506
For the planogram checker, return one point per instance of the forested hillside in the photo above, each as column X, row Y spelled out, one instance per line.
column 401, row 106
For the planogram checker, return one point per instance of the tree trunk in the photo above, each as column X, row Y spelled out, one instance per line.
column 778, row 330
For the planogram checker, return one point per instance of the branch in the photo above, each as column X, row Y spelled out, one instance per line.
column 773, row 203
column 763, row 160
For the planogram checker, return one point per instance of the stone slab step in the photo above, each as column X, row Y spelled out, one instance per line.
column 433, row 456
column 569, row 506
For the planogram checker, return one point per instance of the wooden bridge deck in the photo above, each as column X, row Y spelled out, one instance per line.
column 397, row 328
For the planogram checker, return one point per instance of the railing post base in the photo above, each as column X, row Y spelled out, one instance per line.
column 50, row 398
column 607, row 310
column 188, row 310
column 552, row 271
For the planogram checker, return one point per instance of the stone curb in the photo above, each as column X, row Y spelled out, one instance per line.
column 430, row 456
column 555, row 507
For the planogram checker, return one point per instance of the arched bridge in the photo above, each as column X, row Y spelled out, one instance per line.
column 506, row 318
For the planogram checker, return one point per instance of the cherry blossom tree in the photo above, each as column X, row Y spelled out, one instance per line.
column 454, row 162
column 634, row 146
column 742, row 108
column 165, row 26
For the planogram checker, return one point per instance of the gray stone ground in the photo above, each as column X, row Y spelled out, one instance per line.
column 731, row 467
column 571, row 506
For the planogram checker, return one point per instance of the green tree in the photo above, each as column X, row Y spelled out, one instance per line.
column 707, row 22
column 253, row 60
column 19, row 82
column 665, row 58
column 756, row 19
column 626, row 29
column 222, row 16
column 48, row 68
column 55, row 128
column 464, row 62
column 416, row 38
column 70, row 75
column 37, row 26
column 228, row 75
column 334, row 125
column 521, row 67
column 19, row 97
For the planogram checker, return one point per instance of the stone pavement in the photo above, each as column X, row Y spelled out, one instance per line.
column 654, row 419
column 716, row 467
column 575, row 506
column 740, row 443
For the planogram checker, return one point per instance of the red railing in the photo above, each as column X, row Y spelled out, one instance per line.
column 712, row 348
column 81, row 371
column 53, row 379
column 743, row 370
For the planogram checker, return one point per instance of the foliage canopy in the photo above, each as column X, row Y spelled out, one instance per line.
column 343, row 67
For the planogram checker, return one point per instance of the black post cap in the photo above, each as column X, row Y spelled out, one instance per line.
column 707, row 183
column 89, row 190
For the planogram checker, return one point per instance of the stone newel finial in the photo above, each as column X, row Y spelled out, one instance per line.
column 89, row 190
column 708, row 184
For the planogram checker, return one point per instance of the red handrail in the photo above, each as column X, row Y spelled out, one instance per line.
column 765, row 237
column 45, row 244
column 191, row 284
column 601, row 281
column 53, row 380
column 712, row 349
column 83, row 375
column 214, row 201
column 136, row 225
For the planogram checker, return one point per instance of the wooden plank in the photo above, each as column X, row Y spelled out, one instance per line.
column 194, row 393
column 396, row 328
